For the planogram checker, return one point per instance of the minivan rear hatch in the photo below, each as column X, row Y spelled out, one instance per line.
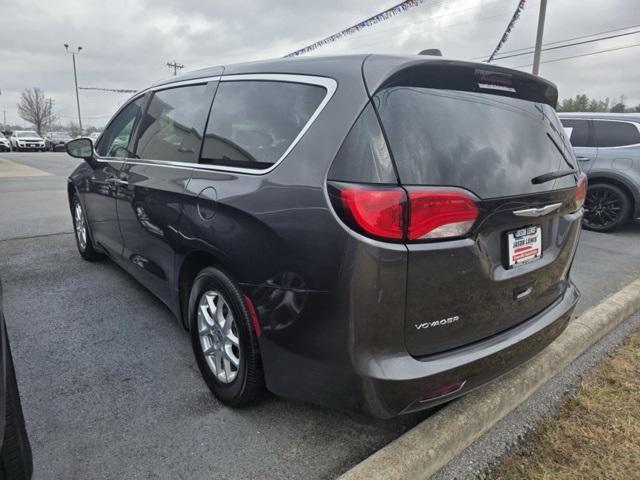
column 493, row 134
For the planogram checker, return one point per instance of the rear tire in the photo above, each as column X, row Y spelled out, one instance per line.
column 16, row 462
column 84, row 242
column 607, row 207
column 221, row 333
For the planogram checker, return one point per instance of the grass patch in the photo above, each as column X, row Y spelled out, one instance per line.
column 595, row 434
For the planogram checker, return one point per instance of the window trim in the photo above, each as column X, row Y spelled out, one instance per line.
column 595, row 133
column 330, row 85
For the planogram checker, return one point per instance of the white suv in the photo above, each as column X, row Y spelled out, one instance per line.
column 4, row 143
column 26, row 140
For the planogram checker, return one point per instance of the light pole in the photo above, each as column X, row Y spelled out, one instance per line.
column 75, row 77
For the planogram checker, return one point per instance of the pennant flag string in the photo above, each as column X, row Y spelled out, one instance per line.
column 505, row 35
column 380, row 17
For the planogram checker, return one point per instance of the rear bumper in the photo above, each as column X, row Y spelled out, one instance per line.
column 410, row 384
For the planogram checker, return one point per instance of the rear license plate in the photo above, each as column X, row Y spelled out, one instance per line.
column 525, row 245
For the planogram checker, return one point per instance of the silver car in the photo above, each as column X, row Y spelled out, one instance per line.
column 607, row 145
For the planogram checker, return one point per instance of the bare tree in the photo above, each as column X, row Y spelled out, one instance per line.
column 36, row 109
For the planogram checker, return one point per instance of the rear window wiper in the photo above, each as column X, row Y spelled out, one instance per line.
column 546, row 177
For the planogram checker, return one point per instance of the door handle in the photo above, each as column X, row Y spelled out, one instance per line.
column 583, row 159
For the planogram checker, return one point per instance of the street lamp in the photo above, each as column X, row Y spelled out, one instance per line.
column 75, row 77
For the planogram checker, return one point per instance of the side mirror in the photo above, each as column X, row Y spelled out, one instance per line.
column 81, row 148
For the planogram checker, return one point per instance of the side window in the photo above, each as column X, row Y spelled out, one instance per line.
column 579, row 135
column 615, row 134
column 171, row 128
column 252, row 123
column 115, row 139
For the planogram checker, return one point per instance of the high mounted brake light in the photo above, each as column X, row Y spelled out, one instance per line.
column 411, row 214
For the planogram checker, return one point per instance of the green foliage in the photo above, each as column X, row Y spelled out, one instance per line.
column 582, row 103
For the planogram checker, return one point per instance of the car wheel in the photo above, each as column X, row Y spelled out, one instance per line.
column 82, row 234
column 223, row 339
column 15, row 457
column 606, row 207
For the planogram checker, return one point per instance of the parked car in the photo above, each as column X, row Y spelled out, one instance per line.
column 56, row 140
column 5, row 146
column 23, row 140
column 306, row 250
column 15, row 451
column 607, row 145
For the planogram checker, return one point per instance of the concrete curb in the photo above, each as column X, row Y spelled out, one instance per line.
column 430, row 445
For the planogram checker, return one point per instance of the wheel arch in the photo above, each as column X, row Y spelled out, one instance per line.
column 192, row 264
column 627, row 186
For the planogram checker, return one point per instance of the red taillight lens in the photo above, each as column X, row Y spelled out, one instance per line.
column 581, row 191
column 411, row 214
column 440, row 213
column 378, row 211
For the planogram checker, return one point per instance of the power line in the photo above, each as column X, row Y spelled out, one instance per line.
column 582, row 55
column 584, row 42
column 564, row 40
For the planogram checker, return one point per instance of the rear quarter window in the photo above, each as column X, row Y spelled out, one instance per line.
column 253, row 122
column 615, row 133
column 491, row 145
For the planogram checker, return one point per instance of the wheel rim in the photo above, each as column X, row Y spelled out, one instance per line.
column 218, row 335
column 602, row 207
column 81, row 227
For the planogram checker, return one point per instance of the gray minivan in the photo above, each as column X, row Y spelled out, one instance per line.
column 607, row 146
column 373, row 233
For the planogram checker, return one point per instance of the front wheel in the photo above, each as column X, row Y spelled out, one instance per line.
column 81, row 228
column 223, row 340
column 606, row 207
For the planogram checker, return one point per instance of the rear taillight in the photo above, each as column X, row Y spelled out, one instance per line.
column 581, row 191
column 398, row 214
column 436, row 213
column 377, row 211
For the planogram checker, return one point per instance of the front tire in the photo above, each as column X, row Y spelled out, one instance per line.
column 82, row 235
column 223, row 340
column 606, row 208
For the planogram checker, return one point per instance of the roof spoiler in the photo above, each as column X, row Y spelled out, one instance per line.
column 434, row 52
column 457, row 75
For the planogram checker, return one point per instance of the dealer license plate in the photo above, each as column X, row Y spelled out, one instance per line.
column 525, row 245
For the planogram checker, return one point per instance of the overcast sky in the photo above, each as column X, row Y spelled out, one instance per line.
column 127, row 43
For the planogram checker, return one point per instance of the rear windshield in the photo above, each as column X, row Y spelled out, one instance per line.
column 491, row 145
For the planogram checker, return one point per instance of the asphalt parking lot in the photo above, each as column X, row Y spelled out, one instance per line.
column 110, row 387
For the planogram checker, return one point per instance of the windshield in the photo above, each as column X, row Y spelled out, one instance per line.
column 27, row 134
column 491, row 145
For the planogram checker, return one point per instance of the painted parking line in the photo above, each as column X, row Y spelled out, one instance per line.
column 15, row 169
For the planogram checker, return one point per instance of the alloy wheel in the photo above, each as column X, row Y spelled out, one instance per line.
column 81, row 227
column 218, row 335
column 603, row 207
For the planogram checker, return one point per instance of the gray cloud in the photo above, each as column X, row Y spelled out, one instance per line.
column 127, row 43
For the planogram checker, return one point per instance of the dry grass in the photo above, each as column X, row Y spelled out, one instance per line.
column 595, row 435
